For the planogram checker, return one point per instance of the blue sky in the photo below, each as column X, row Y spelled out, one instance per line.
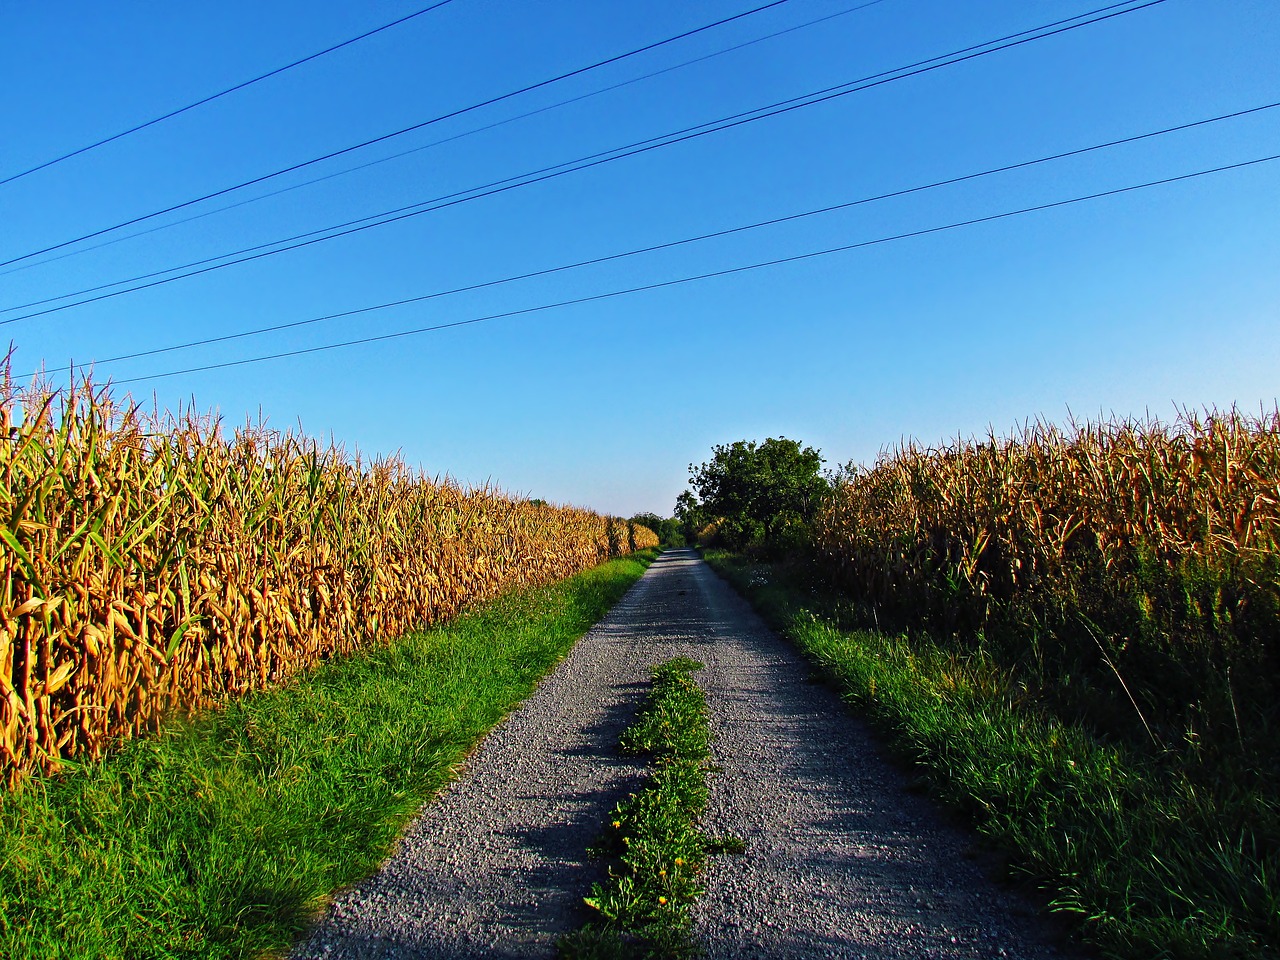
column 1132, row 303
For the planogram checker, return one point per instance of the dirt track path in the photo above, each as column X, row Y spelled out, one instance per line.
column 841, row 861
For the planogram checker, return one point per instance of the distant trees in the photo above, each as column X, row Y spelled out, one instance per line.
column 689, row 516
column 667, row 528
column 756, row 493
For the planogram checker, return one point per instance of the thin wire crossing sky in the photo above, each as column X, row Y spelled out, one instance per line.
column 1128, row 303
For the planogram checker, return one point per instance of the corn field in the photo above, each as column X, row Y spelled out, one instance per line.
column 1151, row 550
column 154, row 563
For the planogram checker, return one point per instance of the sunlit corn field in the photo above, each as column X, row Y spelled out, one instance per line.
column 155, row 562
column 1142, row 556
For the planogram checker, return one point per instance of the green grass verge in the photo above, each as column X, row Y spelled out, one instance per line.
column 1149, row 863
column 221, row 837
column 656, row 849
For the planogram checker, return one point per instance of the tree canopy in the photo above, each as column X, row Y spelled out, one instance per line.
column 755, row 490
column 667, row 528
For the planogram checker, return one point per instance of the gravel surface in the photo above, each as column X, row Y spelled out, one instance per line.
column 841, row 861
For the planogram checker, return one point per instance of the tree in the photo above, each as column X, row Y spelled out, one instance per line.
column 757, row 490
column 689, row 516
column 667, row 528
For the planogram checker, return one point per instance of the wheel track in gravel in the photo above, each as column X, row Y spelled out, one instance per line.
column 841, row 861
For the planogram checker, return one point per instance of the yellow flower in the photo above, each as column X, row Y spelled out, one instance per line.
column 662, row 901
column 679, row 861
column 617, row 824
column 662, row 873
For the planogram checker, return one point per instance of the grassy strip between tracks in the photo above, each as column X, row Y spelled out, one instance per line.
column 655, row 846
column 221, row 837
column 1149, row 862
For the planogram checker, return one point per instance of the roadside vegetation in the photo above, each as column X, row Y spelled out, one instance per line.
column 221, row 836
column 667, row 529
column 758, row 496
column 1076, row 636
column 153, row 563
column 653, row 842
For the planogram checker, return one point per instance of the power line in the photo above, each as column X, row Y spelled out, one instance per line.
column 221, row 93
column 685, row 240
column 396, row 133
column 309, row 238
column 844, row 248
column 436, row 143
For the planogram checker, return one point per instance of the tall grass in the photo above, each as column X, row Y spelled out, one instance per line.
column 1122, row 579
column 152, row 562
column 1136, row 565
column 223, row 835
column 1150, row 863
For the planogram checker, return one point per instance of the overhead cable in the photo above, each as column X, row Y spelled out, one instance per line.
column 832, row 208
column 844, row 248
column 221, row 93
column 260, row 251
column 345, row 171
column 397, row 133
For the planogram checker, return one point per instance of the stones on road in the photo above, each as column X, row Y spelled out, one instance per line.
column 840, row 861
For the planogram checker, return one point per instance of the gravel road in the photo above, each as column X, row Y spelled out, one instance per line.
column 841, row 861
